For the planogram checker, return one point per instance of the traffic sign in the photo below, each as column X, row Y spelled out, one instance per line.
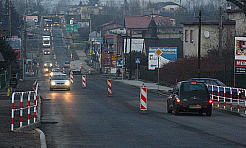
column 137, row 60
column 158, row 52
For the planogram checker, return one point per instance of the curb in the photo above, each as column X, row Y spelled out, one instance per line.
column 229, row 112
column 42, row 138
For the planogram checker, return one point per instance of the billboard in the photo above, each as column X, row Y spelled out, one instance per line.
column 32, row 18
column 240, row 55
column 168, row 54
column 15, row 43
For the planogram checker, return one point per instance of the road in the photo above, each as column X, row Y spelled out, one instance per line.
column 88, row 117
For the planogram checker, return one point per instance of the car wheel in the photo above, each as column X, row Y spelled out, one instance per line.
column 209, row 112
column 176, row 110
column 168, row 108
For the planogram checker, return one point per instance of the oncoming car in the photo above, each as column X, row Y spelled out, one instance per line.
column 59, row 81
column 55, row 71
column 190, row 96
column 46, row 52
column 47, row 66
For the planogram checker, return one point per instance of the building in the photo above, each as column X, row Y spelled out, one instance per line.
column 209, row 37
column 239, row 17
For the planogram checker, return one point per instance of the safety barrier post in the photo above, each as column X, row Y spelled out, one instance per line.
column 224, row 97
column 71, row 77
column 21, row 108
column 13, row 111
column 56, row 63
column 245, row 101
column 35, row 107
column 212, row 95
column 58, row 66
column 63, row 70
column 55, row 57
column 28, row 110
column 218, row 96
column 84, row 81
column 143, row 98
column 231, row 97
column 89, row 70
column 109, row 83
column 237, row 100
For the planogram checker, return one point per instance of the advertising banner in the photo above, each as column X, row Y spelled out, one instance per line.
column 240, row 55
column 167, row 54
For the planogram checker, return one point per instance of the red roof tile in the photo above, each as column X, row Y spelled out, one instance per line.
column 143, row 22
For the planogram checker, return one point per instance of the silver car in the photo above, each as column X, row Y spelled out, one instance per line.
column 59, row 81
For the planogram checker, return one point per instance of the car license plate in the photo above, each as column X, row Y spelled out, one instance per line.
column 195, row 106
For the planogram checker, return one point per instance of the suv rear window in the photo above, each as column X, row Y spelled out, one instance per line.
column 194, row 86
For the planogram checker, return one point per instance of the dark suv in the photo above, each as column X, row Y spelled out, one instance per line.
column 189, row 96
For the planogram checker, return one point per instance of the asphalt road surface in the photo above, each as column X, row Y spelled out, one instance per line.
column 88, row 117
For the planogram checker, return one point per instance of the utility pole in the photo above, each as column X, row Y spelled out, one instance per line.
column 220, row 34
column 199, row 44
column 10, row 19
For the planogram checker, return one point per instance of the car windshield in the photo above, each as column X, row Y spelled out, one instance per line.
column 193, row 86
column 59, row 77
column 67, row 62
column 47, row 62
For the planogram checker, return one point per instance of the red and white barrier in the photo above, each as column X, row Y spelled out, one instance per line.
column 143, row 98
column 84, row 81
column 219, row 98
column 109, row 83
column 89, row 70
column 21, row 107
column 63, row 70
column 37, row 64
column 56, row 63
column 54, row 56
column 58, row 66
column 71, row 77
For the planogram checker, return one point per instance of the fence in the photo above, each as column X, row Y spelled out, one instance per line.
column 25, row 104
column 231, row 98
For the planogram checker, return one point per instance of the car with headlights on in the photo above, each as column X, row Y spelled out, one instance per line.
column 47, row 66
column 59, row 81
column 189, row 96
column 46, row 52
column 55, row 71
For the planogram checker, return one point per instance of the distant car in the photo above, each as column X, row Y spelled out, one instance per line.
column 59, row 81
column 46, row 52
column 189, row 96
column 47, row 66
column 216, row 82
column 55, row 71
column 66, row 64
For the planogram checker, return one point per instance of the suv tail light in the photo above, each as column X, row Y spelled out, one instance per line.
column 210, row 101
column 178, row 100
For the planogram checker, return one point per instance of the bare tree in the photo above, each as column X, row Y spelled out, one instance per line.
column 241, row 4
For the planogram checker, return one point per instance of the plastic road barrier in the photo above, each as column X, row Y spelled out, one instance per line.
column 143, row 98
column 109, row 82
column 84, row 81
column 71, row 77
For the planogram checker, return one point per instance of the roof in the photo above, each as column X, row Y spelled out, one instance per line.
column 143, row 22
column 209, row 23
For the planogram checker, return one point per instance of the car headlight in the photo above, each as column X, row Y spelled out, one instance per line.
column 67, row 83
column 46, row 69
column 53, row 83
column 50, row 64
column 45, row 64
column 51, row 74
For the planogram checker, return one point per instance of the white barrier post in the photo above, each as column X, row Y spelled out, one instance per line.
column 13, row 111
column 109, row 83
column 84, row 81
column 224, row 97
column 143, row 98
column 21, row 108
column 35, row 106
column 231, row 97
column 212, row 95
column 218, row 96
column 237, row 100
column 29, row 110
column 71, row 77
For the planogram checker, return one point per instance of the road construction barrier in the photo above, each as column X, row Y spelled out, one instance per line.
column 29, row 72
column 84, row 81
column 220, row 93
column 89, row 70
column 71, row 77
column 63, row 70
column 55, row 57
column 109, row 83
column 143, row 98
column 58, row 66
column 26, row 103
column 56, row 63
column 37, row 64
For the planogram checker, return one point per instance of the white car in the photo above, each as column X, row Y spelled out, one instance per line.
column 55, row 71
column 59, row 81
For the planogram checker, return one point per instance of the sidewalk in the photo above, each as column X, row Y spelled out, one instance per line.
column 28, row 138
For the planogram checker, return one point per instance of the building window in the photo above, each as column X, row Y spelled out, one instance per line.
column 191, row 39
column 186, row 35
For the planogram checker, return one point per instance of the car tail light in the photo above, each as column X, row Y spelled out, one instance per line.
column 178, row 100
column 210, row 101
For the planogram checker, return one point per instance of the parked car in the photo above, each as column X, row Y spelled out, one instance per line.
column 216, row 82
column 189, row 96
column 59, row 81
